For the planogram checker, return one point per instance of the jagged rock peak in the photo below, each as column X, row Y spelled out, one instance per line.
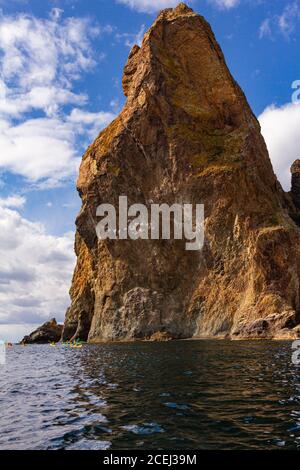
column 168, row 14
column 180, row 61
column 160, row 45
column 181, row 10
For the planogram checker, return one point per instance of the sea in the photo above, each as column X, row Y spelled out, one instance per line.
column 177, row 395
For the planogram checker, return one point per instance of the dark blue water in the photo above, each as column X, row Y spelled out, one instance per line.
column 176, row 395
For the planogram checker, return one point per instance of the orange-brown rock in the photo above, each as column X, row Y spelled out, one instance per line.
column 185, row 134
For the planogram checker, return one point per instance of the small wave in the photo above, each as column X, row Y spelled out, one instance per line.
column 86, row 444
column 177, row 406
column 146, row 429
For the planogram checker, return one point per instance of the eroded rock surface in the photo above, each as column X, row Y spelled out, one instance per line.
column 185, row 134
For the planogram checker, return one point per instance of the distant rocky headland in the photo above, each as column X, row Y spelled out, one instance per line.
column 50, row 331
column 186, row 133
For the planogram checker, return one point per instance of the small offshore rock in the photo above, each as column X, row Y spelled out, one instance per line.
column 50, row 331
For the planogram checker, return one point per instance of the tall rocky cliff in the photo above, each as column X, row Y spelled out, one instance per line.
column 185, row 134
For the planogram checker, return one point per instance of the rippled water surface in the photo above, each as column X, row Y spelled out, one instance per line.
column 177, row 395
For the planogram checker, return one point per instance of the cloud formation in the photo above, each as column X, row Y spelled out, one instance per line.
column 285, row 23
column 44, row 150
column 13, row 201
column 35, row 272
column 288, row 19
column 226, row 4
column 39, row 149
column 43, row 122
column 40, row 60
column 87, row 122
column 280, row 128
column 149, row 6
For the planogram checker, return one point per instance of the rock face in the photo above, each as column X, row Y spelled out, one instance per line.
column 295, row 171
column 185, row 134
column 48, row 332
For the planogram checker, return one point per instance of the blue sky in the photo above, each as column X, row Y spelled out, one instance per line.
column 61, row 64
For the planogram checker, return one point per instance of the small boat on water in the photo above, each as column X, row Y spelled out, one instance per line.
column 75, row 345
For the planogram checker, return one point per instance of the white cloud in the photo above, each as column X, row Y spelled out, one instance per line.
column 40, row 54
column 79, row 116
column 88, row 123
column 149, row 6
column 39, row 149
column 13, row 104
column 39, row 61
column 35, row 272
column 288, row 19
column 13, row 201
column 227, row 4
column 284, row 23
column 265, row 28
column 280, row 128
column 46, row 148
